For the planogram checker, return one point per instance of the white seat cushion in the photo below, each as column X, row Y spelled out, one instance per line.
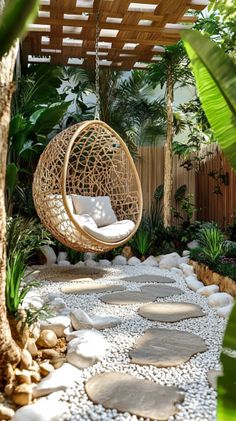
column 111, row 233
column 98, row 207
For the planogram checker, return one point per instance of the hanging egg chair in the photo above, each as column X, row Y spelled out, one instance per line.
column 87, row 171
column 86, row 188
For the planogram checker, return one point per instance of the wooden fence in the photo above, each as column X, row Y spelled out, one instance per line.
column 214, row 194
column 216, row 189
column 150, row 166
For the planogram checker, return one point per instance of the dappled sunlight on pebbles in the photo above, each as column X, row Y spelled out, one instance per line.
column 190, row 377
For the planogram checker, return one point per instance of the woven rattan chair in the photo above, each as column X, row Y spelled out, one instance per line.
column 89, row 159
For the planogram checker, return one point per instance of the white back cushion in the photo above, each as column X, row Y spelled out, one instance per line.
column 98, row 207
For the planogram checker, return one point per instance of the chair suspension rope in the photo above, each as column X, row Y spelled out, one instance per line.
column 97, row 81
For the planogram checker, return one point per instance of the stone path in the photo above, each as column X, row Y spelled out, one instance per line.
column 91, row 288
column 149, row 278
column 126, row 393
column 166, row 348
column 146, row 294
column 161, row 291
column 172, row 360
column 170, row 312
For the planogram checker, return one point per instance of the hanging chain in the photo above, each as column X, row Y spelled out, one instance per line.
column 97, row 81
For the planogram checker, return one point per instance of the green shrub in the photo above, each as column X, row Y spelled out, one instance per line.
column 211, row 241
column 26, row 236
column 142, row 241
column 15, row 292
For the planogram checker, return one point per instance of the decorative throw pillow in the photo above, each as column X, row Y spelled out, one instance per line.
column 98, row 207
column 85, row 220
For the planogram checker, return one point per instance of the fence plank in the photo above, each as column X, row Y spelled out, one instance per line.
column 211, row 206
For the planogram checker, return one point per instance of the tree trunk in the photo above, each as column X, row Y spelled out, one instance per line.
column 168, row 170
column 9, row 352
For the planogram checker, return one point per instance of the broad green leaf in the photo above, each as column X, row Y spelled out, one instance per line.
column 215, row 75
column 50, row 117
column 226, row 408
column 11, row 177
column 17, row 15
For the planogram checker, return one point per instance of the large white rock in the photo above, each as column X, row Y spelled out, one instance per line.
column 150, row 261
column 43, row 410
column 193, row 283
column 88, row 348
column 193, row 244
column 169, row 261
column 90, row 263
column 64, row 263
column 186, row 269
column 49, row 254
column 104, row 263
column 57, row 324
column 33, row 300
column 81, row 320
column 220, row 299
column 58, row 305
column 134, row 261
column 208, row 290
column 79, row 265
column 119, row 260
column 62, row 256
column 59, row 379
column 225, row 311
column 184, row 259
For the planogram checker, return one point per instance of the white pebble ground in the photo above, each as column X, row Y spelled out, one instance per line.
column 191, row 377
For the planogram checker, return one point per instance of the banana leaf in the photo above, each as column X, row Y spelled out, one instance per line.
column 215, row 75
column 226, row 408
column 16, row 16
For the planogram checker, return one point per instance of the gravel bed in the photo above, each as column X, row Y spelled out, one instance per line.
column 191, row 377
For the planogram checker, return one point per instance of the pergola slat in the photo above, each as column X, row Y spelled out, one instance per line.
column 130, row 31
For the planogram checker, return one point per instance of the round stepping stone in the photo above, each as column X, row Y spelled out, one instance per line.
column 91, row 288
column 170, row 312
column 58, row 274
column 139, row 397
column 166, row 348
column 126, row 298
column 149, row 278
column 160, row 291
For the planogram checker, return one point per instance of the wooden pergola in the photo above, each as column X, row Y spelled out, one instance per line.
column 131, row 33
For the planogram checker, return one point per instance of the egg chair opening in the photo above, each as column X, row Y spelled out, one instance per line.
column 84, row 173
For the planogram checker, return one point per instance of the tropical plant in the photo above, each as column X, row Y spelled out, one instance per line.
column 172, row 71
column 14, row 16
column 211, row 240
column 25, row 236
column 126, row 105
column 142, row 240
column 15, row 292
column 215, row 78
column 216, row 82
column 37, row 109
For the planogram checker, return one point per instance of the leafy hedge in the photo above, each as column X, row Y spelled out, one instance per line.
column 221, row 266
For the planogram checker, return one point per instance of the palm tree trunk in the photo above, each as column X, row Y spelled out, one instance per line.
column 168, row 169
column 9, row 351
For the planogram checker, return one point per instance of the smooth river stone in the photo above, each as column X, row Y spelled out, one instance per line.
column 212, row 377
column 126, row 298
column 160, row 291
column 170, row 312
column 91, row 288
column 166, row 348
column 140, row 397
column 149, row 278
